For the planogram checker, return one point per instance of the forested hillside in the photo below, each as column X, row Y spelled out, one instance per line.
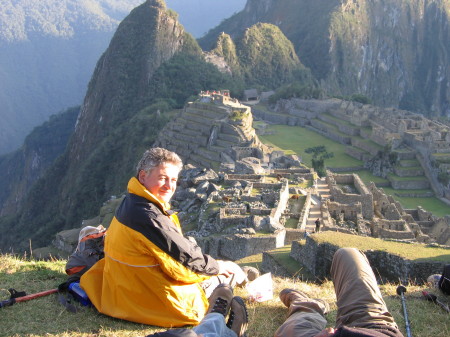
column 151, row 67
column 48, row 50
column 117, row 122
column 395, row 52
column 23, row 167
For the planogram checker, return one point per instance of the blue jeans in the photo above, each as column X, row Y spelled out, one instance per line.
column 213, row 325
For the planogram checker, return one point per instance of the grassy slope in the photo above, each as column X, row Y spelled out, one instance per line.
column 295, row 139
column 46, row 317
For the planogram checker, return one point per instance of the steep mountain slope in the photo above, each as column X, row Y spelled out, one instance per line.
column 262, row 56
column 48, row 51
column 396, row 52
column 151, row 66
column 23, row 167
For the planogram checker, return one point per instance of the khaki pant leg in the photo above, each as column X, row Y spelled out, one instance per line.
column 305, row 320
column 359, row 299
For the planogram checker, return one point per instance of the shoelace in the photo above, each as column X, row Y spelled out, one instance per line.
column 220, row 306
column 230, row 319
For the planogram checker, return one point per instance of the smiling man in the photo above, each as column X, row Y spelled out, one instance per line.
column 151, row 273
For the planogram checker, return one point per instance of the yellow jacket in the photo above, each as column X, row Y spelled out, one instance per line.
column 151, row 272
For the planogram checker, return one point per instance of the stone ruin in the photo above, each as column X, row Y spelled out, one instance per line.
column 422, row 145
column 356, row 208
column 238, row 214
column 260, row 199
column 214, row 130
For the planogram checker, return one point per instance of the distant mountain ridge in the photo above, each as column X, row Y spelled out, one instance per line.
column 23, row 19
column 397, row 52
column 48, row 51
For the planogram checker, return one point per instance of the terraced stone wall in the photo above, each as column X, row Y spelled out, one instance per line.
column 317, row 259
column 238, row 246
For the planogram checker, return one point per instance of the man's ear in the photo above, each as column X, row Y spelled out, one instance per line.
column 141, row 176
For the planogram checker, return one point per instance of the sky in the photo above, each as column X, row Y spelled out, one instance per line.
column 198, row 16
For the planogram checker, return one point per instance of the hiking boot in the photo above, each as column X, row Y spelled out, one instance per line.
column 251, row 272
column 238, row 320
column 289, row 295
column 220, row 299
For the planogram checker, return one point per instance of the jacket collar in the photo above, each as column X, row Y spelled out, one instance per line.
column 135, row 187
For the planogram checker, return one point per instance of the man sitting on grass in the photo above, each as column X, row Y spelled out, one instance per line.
column 151, row 273
column 361, row 312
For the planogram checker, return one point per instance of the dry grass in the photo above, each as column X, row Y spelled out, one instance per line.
column 46, row 317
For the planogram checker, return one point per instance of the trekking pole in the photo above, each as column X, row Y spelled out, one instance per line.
column 433, row 298
column 24, row 298
column 400, row 291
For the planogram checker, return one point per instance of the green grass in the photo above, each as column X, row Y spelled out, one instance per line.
column 369, row 142
column 295, row 139
column 408, row 168
column 443, row 158
column 340, row 121
column 282, row 256
column 397, row 178
column 333, row 127
column 367, row 176
column 400, row 192
column 433, row 204
column 45, row 317
column 291, row 223
column 409, row 162
column 413, row 252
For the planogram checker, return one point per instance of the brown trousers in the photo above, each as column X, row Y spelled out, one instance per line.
column 359, row 299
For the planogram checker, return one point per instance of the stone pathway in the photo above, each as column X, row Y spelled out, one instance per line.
column 322, row 192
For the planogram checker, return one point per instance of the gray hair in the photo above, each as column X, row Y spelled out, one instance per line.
column 158, row 156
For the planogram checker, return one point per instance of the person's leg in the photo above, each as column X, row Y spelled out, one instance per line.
column 359, row 299
column 213, row 325
column 305, row 315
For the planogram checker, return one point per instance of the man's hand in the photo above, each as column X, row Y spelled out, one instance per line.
column 328, row 332
column 226, row 268
column 229, row 268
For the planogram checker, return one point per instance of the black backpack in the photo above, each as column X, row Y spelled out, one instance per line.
column 444, row 282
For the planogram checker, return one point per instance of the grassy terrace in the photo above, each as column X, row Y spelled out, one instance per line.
column 409, row 163
column 413, row 252
column 333, row 127
column 408, row 168
column 433, row 204
column 340, row 121
column 369, row 142
column 295, row 139
column 397, row 178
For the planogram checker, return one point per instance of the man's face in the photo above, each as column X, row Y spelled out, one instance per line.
column 161, row 181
